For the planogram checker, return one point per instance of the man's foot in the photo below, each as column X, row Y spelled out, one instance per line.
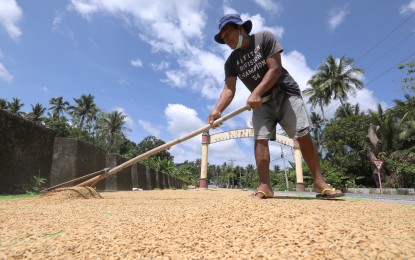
column 327, row 192
column 261, row 195
column 264, row 191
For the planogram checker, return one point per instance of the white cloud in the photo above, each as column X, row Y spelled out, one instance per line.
column 57, row 21
column 363, row 97
column 160, row 66
column 295, row 62
column 185, row 18
column 258, row 24
column 269, row 5
column 4, row 74
column 176, row 78
column 123, row 82
column 45, row 89
column 410, row 7
column 150, row 128
column 336, row 17
column 183, row 121
column 10, row 15
column 137, row 63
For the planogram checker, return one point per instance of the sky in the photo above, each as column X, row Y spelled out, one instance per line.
column 156, row 61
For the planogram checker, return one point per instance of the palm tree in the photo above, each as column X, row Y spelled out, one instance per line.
column 114, row 126
column 58, row 107
column 338, row 79
column 84, row 110
column 405, row 112
column 317, row 96
column 347, row 110
column 3, row 104
column 15, row 107
column 388, row 128
column 250, row 175
column 36, row 114
column 407, row 133
column 317, row 123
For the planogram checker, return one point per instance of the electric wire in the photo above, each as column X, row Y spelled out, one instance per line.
column 384, row 38
column 382, row 74
column 391, row 49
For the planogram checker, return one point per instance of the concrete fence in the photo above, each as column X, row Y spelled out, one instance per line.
column 29, row 149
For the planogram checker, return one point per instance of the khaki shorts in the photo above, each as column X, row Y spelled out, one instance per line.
column 286, row 110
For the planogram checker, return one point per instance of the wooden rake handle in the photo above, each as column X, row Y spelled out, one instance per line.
column 93, row 181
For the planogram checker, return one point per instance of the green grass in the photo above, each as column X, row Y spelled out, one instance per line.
column 14, row 197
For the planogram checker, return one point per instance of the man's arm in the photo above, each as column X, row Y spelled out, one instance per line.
column 225, row 99
column 274, row 71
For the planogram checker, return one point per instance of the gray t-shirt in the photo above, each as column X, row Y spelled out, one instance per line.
column 250, row 64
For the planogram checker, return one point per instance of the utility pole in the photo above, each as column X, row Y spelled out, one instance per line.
column 285, row 169
column 231, row 166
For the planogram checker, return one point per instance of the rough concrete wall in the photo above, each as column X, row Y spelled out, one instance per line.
column 153, row 179
column 25, row 151
column 142, row 177
column 134, row 176
column 64, row 161
column 122, row 179
column 29, row 149
column 74, row 158
column 160, row 180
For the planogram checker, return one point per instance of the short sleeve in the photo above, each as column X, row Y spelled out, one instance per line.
column 229, row 69
column 270, row 44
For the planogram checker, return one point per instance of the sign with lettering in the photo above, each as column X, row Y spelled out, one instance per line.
column 247, row 132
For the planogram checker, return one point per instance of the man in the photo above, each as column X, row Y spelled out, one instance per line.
column 256, row 60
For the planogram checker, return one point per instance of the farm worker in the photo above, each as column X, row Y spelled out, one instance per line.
column 256, row 61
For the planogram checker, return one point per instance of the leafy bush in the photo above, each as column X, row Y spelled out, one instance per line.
column 35, row 186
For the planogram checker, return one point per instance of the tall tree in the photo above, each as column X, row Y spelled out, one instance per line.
column 58, row 107
column 3, row 104
column 151, row 142
column 15, row 107
column 113, row 127
column 317, row 95
column 85, row 109
column 387, row 127
column 405, row 112
column 37, row 113
column 409, row 82
column 347, row 110
column 337, row 79
column 317, row 122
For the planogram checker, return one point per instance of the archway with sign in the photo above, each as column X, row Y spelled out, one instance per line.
column 208, row 139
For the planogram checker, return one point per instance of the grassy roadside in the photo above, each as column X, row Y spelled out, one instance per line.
column 14, row 197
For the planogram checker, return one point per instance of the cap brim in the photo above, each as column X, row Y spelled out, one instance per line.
column 218, row 39
column 247, row 27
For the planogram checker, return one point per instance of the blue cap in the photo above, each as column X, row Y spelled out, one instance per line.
column 235, row 19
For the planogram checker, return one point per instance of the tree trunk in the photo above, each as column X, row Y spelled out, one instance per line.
column 373, row 152
column 344, row 108
column 322, row 112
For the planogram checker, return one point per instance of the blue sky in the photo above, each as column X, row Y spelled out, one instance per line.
column 157, row 62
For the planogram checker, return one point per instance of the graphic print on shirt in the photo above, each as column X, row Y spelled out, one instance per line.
column 250, row 64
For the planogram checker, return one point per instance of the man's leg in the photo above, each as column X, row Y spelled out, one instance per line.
column 262, row 159
column 312, row 160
